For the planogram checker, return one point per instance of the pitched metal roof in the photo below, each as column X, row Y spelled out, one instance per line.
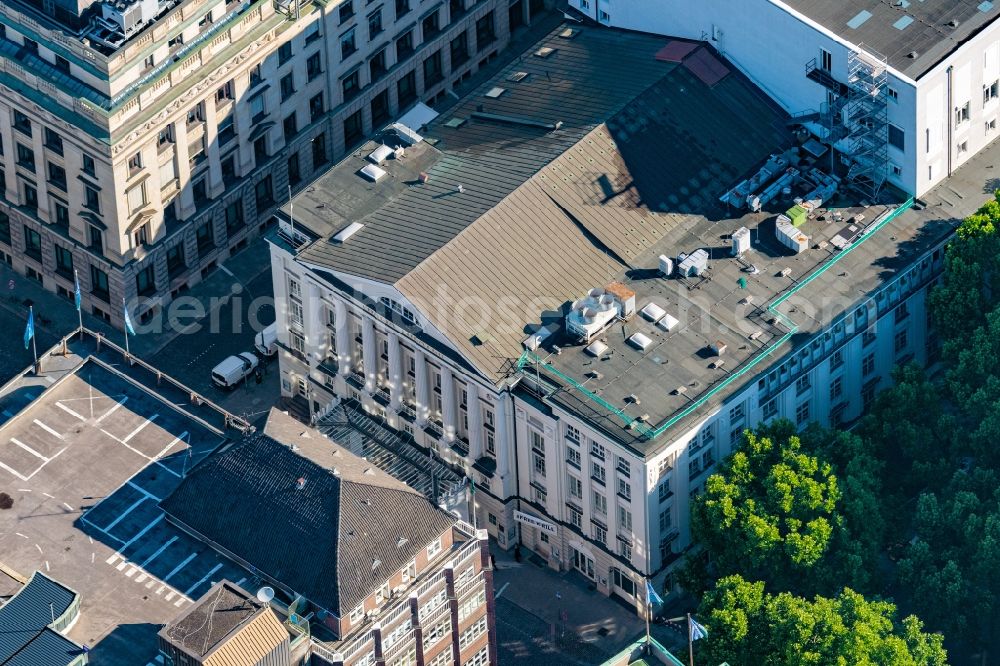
column 228, row 626
column 316, row 520
column 24, row 620
column 915, row 35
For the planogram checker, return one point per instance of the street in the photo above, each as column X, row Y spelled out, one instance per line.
column 191, row 354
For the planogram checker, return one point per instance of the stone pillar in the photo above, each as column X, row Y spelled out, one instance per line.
column 449, row 404
column 504, row 439
column 215, row 186
column 370, row 353
column 423, row 398
column 475, row 422
column 313, row 326
column 344, row 341
column 187, row 207
column 395, row 371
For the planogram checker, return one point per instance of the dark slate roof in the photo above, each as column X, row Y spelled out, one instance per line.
column 25, row 617
column 897, row 29
column 334, row 541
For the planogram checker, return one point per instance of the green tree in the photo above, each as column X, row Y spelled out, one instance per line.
column 774, row 510
column 749, row 627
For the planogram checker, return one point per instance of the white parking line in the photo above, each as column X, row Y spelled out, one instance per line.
column 68, row 506
column 122, row 515
column 100, row 529
column 54, row 456
column 157, row 553
column 139, row 429
column 48, row 429
column 144, row 491
column 180, row 566
column 169, row 446
column 139, row 535
column 28, row 449
column 137, row 451
column 69, row 411
column 14, row 472
column 204, row 578
column 112, row 410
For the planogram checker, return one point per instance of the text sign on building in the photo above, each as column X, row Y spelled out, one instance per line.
column 528, row 519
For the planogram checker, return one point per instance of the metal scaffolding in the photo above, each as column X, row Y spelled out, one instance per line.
column 867, row 121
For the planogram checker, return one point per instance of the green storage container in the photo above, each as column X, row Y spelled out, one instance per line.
column 797, row 214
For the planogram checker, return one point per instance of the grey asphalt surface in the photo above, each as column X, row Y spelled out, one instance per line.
column 227, row 330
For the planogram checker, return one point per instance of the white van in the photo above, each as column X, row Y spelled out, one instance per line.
column 234, row 369
column 266, row 342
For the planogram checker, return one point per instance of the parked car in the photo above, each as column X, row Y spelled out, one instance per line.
column 266, row 342
column 234, row 369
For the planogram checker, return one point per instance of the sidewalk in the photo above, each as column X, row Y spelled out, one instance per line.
column 57, row 315
column 581, row 622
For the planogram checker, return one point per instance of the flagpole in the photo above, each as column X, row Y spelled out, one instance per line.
column 128, row 354
column 649, row 608
column 77, row 298
column 690, row 643
column 34, row 347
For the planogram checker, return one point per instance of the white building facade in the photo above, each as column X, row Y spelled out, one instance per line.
column 939, row 116
column 547, row 477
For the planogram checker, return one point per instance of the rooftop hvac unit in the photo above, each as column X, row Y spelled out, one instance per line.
column 741, row 241
column 129, row 16
column 693, row 264
column 666, row 265
column 592, row 314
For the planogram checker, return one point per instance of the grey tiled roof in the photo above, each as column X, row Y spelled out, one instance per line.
column 335, row 540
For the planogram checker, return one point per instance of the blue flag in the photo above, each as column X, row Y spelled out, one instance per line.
column 652, row 598
column 697, row 630
column 76, row 291
column 29, row 330
column 128, row 320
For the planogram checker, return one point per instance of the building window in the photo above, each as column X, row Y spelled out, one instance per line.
column 205, row 237
column 64, row 262
column 136, row 197
column 290, row 127
column 404, row 46
column 176, row 263
column 485, row 32
column 287, row 86
column 88, row 165
column 624, row 520
column 575, row 518
column 897, row 138
column 316, row 108
column 225, row 92
column 346, row 10
column 433, row 548
column 377, row 66
column 597, row 472
column 430, row 26
column 599, row 503
column 227, row 130
column 264, row 193
column 53, row 142
column 402, row 8
column 868, row 365
column 99, row 284
column 538, row 463
column 575, row 487
column 836, row 388
column 348, row 44
column 284, row 53
column 802, row 385
column 313, row 66
column 351, row 85
column 825, row 60
column 5, row 228
column 624, row 489
column 353, row 128
column 380, row 107
column 802, row 413
column 893, row 95
column 406, row 89
column 962, row 114
column 57, row 176
column 32, row 244
column 234, row 216
column 145, row 283
column 737, row 414
column 899, row 343
column 319, row 151
column 22, row 123
column 196, row 114
column 375, row 24
column 459, row 49
column 165, row 136
column 25, row 157
column 258, row 110
column 770, row 409
column 599, row 533
column 573, row 456
column 433, row 70
column 96, row 239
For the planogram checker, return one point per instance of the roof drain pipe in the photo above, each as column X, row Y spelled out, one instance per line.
column 950, row 120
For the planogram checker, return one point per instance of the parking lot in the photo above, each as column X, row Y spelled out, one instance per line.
column 86, row 465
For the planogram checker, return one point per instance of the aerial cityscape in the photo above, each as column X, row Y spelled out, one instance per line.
column 471, row 333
